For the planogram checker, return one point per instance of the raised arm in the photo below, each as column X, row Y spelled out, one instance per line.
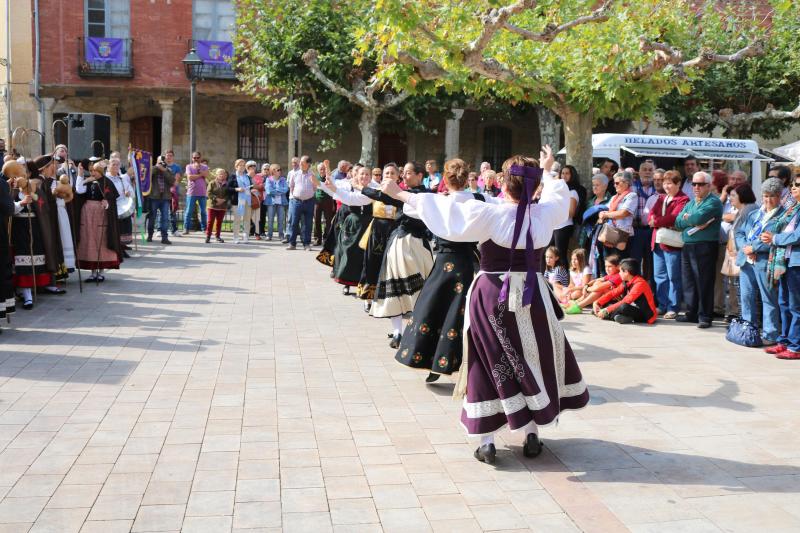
column 460, row 222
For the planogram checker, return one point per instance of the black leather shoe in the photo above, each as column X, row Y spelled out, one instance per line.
column 208, row 239
column 432, row 377
column 486, row 454
column 532, row 446
column 125, row 254
column 149, row 238
column 167, row 241
column 704, row 325
column 27, row 305
column 395, row 342
column 685, row 318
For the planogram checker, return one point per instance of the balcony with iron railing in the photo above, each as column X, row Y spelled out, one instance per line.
column 214, row 66
column 105, row 57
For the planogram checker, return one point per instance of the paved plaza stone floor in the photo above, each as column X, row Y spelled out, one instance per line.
column 224, row 388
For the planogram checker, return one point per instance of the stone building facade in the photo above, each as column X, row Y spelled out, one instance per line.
column 147, row 97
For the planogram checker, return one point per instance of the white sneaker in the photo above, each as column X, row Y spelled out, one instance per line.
column 236, row 241
column 245, row 241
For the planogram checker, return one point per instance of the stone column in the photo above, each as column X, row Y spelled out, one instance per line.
column 293, row 134
column 166, row 124
column 46, row 123
column 452, row 131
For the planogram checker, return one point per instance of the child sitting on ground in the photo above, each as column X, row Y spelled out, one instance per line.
column 579, row 277
column 598, row 287
column 632, row 301
column 555, row 274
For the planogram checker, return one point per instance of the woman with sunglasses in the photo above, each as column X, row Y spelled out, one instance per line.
column 784, row 269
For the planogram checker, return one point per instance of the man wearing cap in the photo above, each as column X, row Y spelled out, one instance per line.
column 301, row 203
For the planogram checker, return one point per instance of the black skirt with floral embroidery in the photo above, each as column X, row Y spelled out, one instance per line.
column 433, row 339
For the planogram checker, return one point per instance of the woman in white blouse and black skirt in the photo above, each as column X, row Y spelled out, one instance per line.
column 520, row 369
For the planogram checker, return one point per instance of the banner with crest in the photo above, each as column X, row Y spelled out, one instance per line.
column 215, row 52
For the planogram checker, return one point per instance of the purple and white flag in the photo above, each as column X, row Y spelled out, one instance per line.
column 105, row 50
column 214, row 52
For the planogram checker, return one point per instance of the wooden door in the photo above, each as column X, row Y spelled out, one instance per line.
column 392, row 148
column 142, row 133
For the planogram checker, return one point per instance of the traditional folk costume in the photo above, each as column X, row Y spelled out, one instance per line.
column 7, row 300
column 432, row 339
column 520, row 369
column 384, row 221
column 122, row 183
column 65, row 228
column 31, row 267
column 406, row 264
column 350, row 223
column 47, row 212
column 99, row 246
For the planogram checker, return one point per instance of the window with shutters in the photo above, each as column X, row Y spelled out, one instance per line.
column 108, row 18
column 213, row 20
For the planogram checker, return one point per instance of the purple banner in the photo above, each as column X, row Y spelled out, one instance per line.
column 141, row 162
column 105, row 50
column 214, row 52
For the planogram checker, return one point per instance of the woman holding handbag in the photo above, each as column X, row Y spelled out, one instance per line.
column 618, row 220
column 743, row 201
column 753, row 259
column 666, row 245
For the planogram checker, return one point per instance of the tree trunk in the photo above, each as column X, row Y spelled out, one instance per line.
column 368, row 125
column 578, row 138
column 549, row 128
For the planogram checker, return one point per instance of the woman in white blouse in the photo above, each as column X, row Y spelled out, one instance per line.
column 520, row 372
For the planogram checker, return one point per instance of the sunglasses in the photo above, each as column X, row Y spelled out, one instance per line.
column 796, row 184
column 699, row 184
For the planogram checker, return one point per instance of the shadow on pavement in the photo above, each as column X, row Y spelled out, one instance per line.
column 723, row 397
column 64, row 368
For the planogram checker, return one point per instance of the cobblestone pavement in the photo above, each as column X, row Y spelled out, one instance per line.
column 220, row 387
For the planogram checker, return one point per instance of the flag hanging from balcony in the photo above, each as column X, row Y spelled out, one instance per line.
column 105, row 50
column 214, row 52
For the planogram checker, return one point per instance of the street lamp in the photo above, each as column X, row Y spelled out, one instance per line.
column 192, row 63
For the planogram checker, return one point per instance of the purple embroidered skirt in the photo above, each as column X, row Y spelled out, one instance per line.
column 520, row 366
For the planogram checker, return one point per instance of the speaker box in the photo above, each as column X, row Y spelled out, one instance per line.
column 88, row 134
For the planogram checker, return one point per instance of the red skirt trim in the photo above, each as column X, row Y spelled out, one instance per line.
column 25, row 281
column 96, row 265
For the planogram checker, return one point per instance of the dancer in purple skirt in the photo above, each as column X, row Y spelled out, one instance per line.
column 520, row 369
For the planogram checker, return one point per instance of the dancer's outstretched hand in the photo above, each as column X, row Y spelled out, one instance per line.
column 546, row 158
column 390, row 188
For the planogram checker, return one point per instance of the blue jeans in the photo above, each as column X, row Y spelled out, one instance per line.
column 162, row 207
column 275, row 211
column 753, row 282
column 667, row 274
column 190, row 207
column 300, row 211
column 789, row 300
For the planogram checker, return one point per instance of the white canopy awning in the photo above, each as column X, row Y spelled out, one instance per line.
column 649, row 151
column 725, row 155
column 792, row 151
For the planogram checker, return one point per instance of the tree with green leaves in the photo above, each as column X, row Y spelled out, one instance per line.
column 301, row 56
column 586, row 62
column 757, row 96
